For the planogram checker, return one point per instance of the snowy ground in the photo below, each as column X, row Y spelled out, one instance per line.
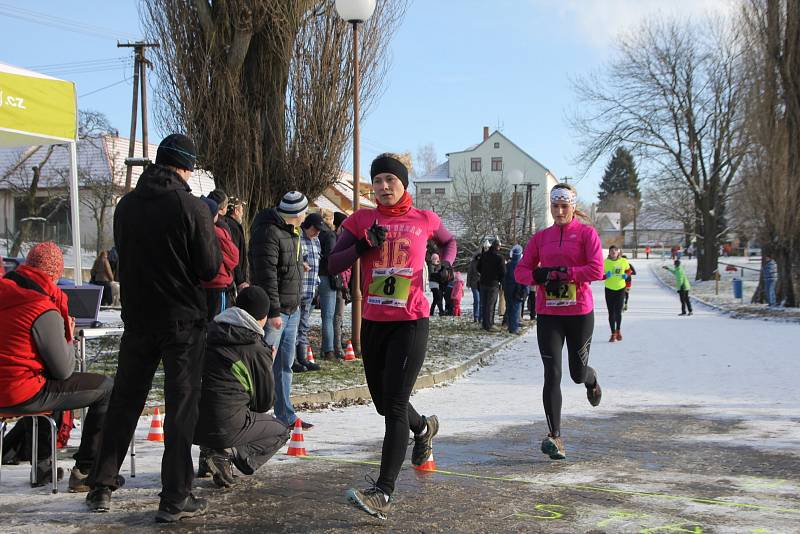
column 698, row 431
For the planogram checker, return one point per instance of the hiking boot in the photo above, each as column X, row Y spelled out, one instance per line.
column 372, row 500
column 330, row 356
column 682, row 313
column 613, row 337
column 690, row 313
column 423, row 445
column 594, row 394
column 203, row 470
column 99, row 499
column 619, row 335
column 219, row 462
column 553, row 446
column 44, row 476
column 303, row 424
column 297, row 367
column 310, row 366
column 190, row 507
column 78, row 481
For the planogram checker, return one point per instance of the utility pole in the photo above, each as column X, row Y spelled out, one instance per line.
column 514, row 215
column 140, row 65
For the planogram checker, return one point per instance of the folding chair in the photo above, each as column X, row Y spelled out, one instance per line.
column 34, row 443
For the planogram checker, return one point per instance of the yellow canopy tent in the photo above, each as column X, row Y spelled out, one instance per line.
column 39, row 110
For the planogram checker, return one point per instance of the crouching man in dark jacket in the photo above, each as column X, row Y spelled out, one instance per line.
column 238, row 387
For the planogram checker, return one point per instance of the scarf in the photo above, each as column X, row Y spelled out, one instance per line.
column 401, row 208
column 50, row 289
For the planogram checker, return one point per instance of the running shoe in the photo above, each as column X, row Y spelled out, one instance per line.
column 372, row 500
column 690, row 313
column 423, row 445
column 190, row 507
column 613, row 337
column 619, row 335
column 594, row 393
column 553, row 446
column 219, row 462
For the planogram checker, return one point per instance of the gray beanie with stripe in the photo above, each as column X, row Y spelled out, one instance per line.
column 293, row 204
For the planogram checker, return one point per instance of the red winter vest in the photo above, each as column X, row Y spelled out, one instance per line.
column 21, row 368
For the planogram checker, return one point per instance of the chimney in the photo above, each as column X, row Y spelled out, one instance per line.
column 485, row 133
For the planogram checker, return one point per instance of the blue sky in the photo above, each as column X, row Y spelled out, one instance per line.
column 457, row 65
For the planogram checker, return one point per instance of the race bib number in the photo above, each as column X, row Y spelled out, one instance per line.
column 565, row 296
column 390, row 287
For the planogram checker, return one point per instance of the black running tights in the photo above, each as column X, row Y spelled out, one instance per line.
column 393, row 354
column 551, row 331
column 615, row 300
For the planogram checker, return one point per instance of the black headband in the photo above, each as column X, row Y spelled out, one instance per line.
column 389, row 164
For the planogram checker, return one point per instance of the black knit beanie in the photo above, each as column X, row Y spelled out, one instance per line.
column 177, row 150
column 385, row 163
column 338, row 219
column 254, row 301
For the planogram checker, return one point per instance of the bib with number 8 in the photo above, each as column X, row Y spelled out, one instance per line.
column 390, row 287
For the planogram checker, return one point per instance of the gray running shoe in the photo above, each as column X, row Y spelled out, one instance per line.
column 219, row 463
column 594, row 394
column 554, row 447
column 423, row 445
column 371, row 500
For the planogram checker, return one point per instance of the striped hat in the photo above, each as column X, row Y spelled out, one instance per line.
column 293, row 203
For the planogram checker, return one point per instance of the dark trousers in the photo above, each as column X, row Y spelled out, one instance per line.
column 615, row 300
column 261, row 438
column 551, row 332
column 181, row 346
column 685, row 302
column 489, row 296
column 532, row 303
column 80, row 390
column 338, row 317
column 393, row 354
column 437, row 301
column 447, row 296
column 218, row 299
column 107, row 299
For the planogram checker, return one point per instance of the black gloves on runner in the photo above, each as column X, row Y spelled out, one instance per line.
column 374, row 237
column 542, row 274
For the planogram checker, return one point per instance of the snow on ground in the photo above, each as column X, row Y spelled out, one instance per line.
column 708, row 364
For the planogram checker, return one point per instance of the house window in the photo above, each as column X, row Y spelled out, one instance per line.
column 497, row 164
column 439, row 191
column 475, row 165
column 495, row 202
column 497, row 145
column 475, row 204
column 425, row 191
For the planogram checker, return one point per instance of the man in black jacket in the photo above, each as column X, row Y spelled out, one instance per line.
column 238, row 388
column 276, row 265
column 234, row 219
column 492, row 270
column 166, row 243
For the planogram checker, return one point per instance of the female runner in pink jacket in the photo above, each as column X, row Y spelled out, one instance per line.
column 562, row 260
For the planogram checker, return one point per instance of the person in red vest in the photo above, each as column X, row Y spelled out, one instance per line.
column 37, row 357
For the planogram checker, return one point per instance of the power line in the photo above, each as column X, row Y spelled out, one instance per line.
column 61, row 23
column 104, row 88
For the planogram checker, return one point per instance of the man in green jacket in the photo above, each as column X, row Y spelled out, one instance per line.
column 682, row 285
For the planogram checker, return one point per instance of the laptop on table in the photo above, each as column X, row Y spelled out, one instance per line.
column 83, row 303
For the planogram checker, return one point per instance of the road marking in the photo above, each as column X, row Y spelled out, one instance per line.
column 584, row 487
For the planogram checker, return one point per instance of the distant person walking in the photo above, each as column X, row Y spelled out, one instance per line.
column 682, row 286
column 563, row 260
column 770, row 272
column 615, row 268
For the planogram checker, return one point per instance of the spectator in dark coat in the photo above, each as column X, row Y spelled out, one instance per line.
column 276, row 265
column 493, row 270
column 473, row 282
column 233, row 219
column 166, row 243
column 238, row 390
column 219, row 294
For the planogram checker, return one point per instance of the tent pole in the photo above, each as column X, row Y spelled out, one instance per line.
column 73, row 205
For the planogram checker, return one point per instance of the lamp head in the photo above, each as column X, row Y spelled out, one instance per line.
column 355, row 10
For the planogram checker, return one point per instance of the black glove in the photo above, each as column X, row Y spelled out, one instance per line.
column 554, row 287
column 447, row 271
column 542, row 274
column 373, row 238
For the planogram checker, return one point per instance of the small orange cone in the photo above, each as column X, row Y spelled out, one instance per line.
column 156, row 428
column 310, row 355
column 429, row 465
column 349, row 354
column 297, row 446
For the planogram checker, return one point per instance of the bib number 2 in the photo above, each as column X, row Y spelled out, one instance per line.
column 565, row 296
column 390, row 287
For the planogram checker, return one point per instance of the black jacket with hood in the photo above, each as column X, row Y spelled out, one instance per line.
column 275, row 261
column 237, row 379
column 237, row 235
column 167, row 246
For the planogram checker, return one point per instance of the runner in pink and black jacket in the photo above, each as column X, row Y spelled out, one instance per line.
column 563, row 260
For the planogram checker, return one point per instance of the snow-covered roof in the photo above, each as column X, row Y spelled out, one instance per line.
column 439, row 174
column 608, row 220
column 650, row 221
column 98, row 158
column 324, row 202
column 497, row 132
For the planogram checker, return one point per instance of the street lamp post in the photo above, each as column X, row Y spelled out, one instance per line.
column 356, row 12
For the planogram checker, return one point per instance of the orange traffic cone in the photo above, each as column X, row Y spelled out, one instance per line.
column 156, row 428
column 429, row 465
column 349, row 354
column 297, row 446
column 310, row 355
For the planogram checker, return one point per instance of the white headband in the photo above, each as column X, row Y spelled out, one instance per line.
column 561, row 194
